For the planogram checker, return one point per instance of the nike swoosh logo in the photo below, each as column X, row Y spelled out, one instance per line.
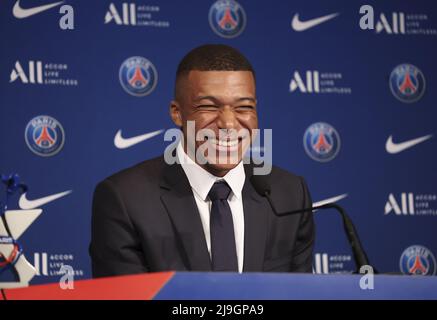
column 393, row 148
column 27, row 204
column 299, row 25
column 123, row 143
column 21, row 13
column 329, row 200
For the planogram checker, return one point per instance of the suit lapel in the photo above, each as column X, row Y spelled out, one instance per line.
column 178, row 199
column 256, row 225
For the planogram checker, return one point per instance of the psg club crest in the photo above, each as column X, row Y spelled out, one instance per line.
column 227, row 18
column 44, row 136
column 417, row 260
column 321, row 142
column 138, row 76
column 15, row 270
column 407, row 83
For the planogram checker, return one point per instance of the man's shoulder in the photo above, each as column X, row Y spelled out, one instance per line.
column 287, row 189
column 280, row 176
column 285, row 181
column 149, row 173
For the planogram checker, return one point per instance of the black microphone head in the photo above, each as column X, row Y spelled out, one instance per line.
column 261, row 184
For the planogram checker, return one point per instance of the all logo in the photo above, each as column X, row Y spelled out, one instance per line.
column 417, row 260
column 50, row 264
column 315, row 82
column 138, row 76
column 396, row 23
column 34, row 73
column 407, row 83
column 311, row 83
column 37, row 72
column 40, row 264
column 227, row 18
column 127, row 16
column 406, row 207
column 321, row 142
column 134, row 14
column 325, row 263
column 394, row 26
column 410, row 204
column 44, row 136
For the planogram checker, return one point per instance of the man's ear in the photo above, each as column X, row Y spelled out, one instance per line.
column 175, row 113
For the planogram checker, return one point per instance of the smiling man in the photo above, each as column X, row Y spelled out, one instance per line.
column 202, row 212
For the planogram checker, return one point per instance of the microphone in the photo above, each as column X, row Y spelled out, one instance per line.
column 262, row 187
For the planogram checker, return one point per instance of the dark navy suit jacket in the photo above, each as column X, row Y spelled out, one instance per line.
column 145, row 219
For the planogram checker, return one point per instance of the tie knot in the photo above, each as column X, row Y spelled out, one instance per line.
column 219, row 191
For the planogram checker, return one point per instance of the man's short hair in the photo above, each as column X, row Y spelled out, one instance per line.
column 212, row 57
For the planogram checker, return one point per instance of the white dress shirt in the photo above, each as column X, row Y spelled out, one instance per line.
column 201, row 182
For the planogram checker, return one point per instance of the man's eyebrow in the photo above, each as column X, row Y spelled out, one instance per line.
column 206, row 98
column 247, row 98
column 212, row 98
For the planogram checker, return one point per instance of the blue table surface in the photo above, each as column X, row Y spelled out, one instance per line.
column 276, row 286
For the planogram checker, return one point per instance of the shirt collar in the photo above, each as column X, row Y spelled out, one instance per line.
column 201, row 180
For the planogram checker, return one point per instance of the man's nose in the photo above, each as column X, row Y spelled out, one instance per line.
column 227, row 118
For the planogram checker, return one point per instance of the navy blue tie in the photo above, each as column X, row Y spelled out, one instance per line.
column 223, row 252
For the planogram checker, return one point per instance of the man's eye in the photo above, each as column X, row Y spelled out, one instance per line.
column 207, row 107
column 248, row 107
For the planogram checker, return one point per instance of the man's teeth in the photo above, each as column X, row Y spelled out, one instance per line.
column 224, row 143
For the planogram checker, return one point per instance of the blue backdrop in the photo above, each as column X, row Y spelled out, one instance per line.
column 368, row 89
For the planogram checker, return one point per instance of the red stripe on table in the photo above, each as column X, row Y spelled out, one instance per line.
column 132, row 287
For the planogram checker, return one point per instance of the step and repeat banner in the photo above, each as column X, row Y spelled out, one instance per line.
column 348, row 88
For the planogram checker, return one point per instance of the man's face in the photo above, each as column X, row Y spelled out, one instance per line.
column 223, row 102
